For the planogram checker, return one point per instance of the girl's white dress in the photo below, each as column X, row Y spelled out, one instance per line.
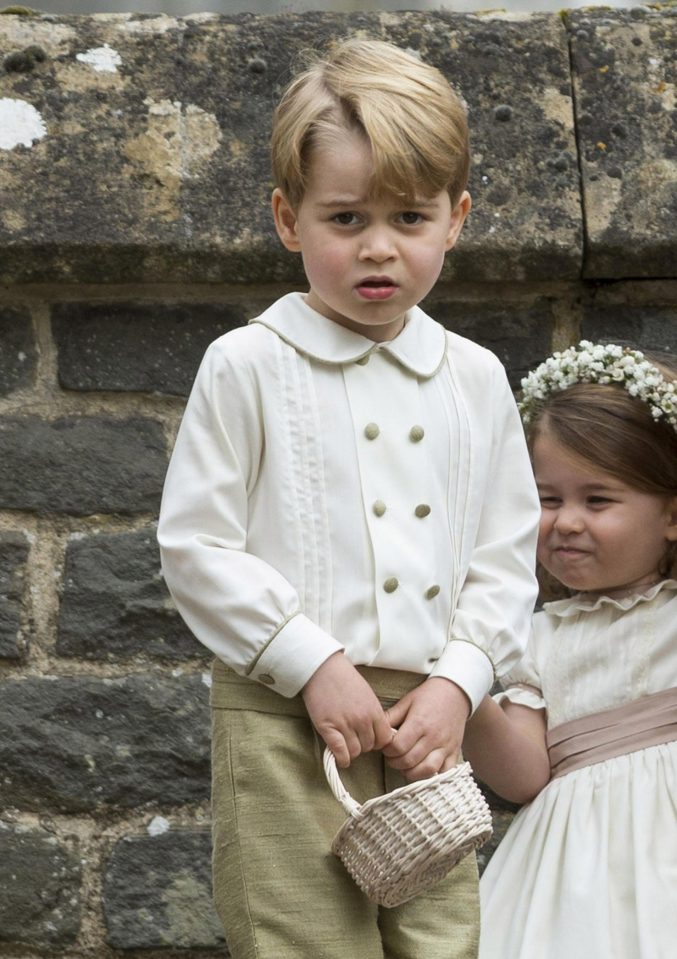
column 588, row 870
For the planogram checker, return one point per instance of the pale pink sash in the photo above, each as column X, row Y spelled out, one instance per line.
column 648, row 721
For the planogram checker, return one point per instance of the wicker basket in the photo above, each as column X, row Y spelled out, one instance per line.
column 396, row 845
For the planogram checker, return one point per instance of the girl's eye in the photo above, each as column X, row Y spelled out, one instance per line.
column 598, row 500
column 550, row 502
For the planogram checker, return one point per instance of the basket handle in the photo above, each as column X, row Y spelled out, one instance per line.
column 351, row 806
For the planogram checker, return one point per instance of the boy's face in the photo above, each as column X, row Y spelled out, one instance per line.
column 367, row 260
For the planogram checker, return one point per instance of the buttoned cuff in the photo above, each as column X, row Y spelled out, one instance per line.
column 469, row 667
column 293, row 655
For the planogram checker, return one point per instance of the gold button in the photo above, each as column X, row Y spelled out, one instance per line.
column 432, row 592
column 266, row 679
column 422, row 510
column 416, row 434
column 363, row 360
column 371, row 431
column 379, row 507
column 390, row 585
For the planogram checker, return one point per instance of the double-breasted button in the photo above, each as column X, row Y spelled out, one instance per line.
column 371, row 431
column 379, row 507
column 416, row 434
column 432, row 591
column 422, row 510
column 266, row 679
column 390, row 584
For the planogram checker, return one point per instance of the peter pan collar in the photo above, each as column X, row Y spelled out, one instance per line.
column 419, row 348
column 581, row 603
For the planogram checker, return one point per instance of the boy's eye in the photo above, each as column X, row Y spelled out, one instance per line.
column 345, row 219
column 411, row 218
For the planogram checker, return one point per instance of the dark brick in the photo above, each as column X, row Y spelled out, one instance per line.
column 157, row 893
column 115, row 603
column 81, row 465
column 640, row 324
column 76, row 743
column 18, row 356
column 136, row 346
column 519, row 334
column 40, row 882
column 13, row 557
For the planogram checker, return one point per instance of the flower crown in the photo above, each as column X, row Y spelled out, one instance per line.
column 594, row 363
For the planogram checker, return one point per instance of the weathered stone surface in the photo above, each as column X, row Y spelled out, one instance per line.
column 77, row 743
column 81, row 465
column 519, row 334
column 157, row 893
column 40, row 882
column 13, row 557
column 647, row 326
column 170, row 119
column 625, row 71
column 18, row 355
column 115, row 603
column 136, row 346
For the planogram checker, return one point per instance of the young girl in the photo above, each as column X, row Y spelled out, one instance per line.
column 587, row 725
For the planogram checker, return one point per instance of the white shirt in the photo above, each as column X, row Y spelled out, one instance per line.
column 331, row 493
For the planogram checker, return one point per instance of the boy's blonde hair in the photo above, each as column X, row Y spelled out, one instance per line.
column 414, row 122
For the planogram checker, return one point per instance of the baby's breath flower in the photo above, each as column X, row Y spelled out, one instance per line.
column 598, row 363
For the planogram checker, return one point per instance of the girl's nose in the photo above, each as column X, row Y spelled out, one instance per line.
column 569, row 519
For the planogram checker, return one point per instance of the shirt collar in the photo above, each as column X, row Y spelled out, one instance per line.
column 419, row 348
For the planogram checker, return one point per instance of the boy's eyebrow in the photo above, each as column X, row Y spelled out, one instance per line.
column 359, row 200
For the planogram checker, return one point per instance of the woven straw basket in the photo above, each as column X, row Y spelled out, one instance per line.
column 396, row 845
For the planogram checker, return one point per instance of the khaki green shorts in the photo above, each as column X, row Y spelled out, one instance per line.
column 279, row 890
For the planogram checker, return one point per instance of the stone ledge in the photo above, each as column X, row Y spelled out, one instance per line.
column 145, row 142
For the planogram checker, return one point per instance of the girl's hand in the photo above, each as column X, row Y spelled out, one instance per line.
column 345, row 711
column 430, row 722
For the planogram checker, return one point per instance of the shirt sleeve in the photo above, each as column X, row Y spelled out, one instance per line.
column 234, row 602
column 491, row 624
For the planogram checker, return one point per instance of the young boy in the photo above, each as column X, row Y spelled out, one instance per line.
column 349, row 518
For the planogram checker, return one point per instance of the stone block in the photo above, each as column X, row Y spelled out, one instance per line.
column 40, row 882
column 625, row 72
column 157, row 893
column 18, row 355
column 80, row 465
column 169, row 121
column 78, row 743
column 115, row 604
column 151, row 348
column 644, row 325
column 520, row 334
column 13, row 558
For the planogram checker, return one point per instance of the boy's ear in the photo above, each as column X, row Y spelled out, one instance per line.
column 286, row 223
column 458, row 215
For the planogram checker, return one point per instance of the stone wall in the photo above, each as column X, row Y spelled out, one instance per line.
column 134, row 229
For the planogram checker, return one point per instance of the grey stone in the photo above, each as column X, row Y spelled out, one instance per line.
column 13, row 558
column 78, row 743
column 115, row 603
column 136, row 346
column 157, row 893
column 18, row 356
column 643, row 325
column 519, row 334
column 174, row 140
column 81, row 464
column 625, row 71
column 40, row 881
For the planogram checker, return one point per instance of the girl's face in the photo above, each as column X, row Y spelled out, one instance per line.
column 597, row 534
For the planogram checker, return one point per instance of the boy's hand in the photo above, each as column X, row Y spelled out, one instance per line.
column 345, row 711
column 430, row 722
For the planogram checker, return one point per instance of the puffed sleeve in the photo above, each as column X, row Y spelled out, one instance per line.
column 492, row 620
column 234, row 602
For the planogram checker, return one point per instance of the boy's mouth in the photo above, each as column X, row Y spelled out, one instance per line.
column 376, row 288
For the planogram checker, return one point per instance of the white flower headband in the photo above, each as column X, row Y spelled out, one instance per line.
column 594, row 363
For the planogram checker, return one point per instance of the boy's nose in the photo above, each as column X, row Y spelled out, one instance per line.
column 377, row 245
